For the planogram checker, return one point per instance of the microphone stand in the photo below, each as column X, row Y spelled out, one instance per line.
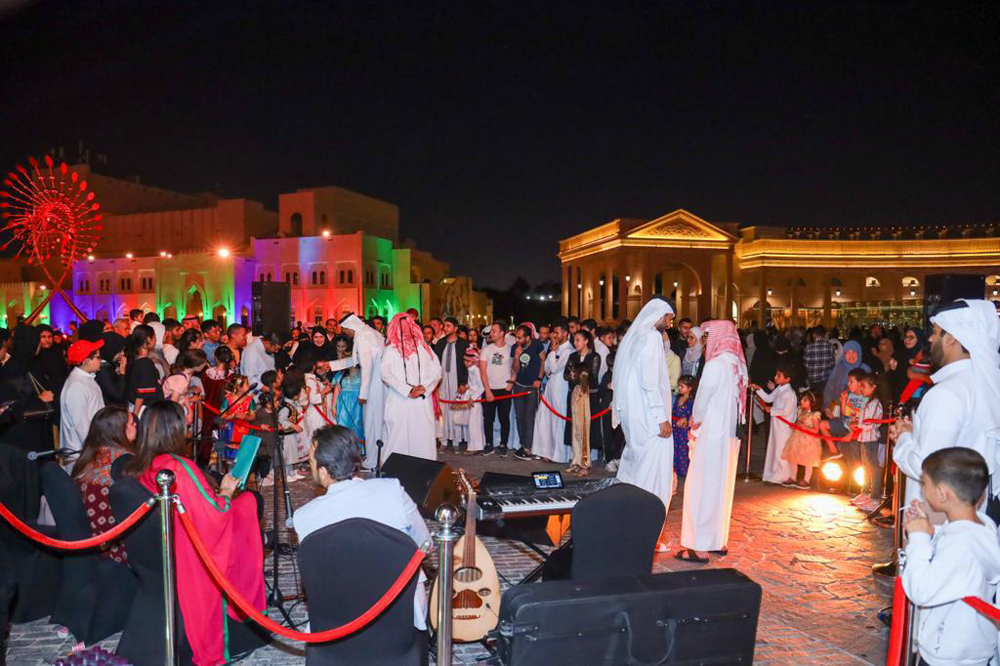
column 278, row 548
column 746, row 476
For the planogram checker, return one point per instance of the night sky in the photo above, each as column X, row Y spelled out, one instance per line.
column 499, row 128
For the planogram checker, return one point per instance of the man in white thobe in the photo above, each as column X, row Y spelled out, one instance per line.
column 367, row 353
column 258, row 356
column 547, row 441
column 719, row 409
column 962, row 408
column 81, row 397
column 410, row 371
column 642, row 403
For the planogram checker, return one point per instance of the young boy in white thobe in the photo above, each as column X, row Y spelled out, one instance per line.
column 949, row 562
column 782, row 404
column 471, row 428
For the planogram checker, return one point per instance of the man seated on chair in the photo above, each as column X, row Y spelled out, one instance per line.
column 335, row 459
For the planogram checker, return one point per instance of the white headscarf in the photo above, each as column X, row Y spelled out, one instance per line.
column 689, row 364
column 978, row 329
column 362, row 331
column 642, row 332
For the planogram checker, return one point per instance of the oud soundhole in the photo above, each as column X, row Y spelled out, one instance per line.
column 468, row 575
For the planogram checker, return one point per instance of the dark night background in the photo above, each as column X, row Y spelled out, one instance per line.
column 500, row 128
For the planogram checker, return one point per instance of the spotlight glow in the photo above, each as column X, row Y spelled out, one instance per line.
column 859, row 476
column 832, row 472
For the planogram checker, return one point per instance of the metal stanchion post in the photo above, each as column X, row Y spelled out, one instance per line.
column 748, row 429
column 447, row 516
column 165, row 479
column 889, row 569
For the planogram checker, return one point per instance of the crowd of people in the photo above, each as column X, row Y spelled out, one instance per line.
column 652, row 401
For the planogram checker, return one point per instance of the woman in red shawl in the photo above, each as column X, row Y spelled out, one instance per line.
column 226, row 521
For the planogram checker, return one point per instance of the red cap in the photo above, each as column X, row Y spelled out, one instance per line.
column 81, row 349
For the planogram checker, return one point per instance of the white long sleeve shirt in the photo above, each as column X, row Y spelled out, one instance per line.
column 961, row 559
column 947, row 416
column 782, row 401
column 80, row 400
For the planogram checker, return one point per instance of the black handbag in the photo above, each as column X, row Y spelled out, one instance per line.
column 690, row 617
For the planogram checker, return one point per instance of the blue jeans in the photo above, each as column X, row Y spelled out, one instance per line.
column 873, row 469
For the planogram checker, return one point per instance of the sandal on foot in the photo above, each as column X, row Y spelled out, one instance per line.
column 720, row 553
column 688, row 555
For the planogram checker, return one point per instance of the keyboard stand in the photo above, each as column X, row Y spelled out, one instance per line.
column 515, row 534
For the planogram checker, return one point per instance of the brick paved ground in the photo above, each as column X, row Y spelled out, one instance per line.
column 810, row 551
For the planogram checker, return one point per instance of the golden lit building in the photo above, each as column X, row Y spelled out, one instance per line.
column 802, row 276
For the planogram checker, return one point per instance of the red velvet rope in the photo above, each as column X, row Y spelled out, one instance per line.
column 499, row 397
column 323, row 414
column 247, row 608
column 897, row 633
column 989, row 610
column 83, row 544
column 815, row 433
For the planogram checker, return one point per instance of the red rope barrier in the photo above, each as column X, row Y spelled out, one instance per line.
column 593, row 417
column 815, row 433
column 900, row 620
column 247, row 608
column 987, row 609
column 83, row 544
column 246, row 423
column 499, row 397
column 323, row 414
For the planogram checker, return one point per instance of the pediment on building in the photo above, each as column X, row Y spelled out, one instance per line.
column 680, row 226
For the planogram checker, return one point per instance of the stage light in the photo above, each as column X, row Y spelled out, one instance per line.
column 326, row 233
column 223, row 252
column 859, row 476
column 832, row 472
column 128, row 255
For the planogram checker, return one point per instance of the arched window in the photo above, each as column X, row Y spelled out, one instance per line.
column 872, row 282
column 322, row 277
column 295, row 277
column 350, row 276
column 288, row 277
column 911, row 282
column 343, row 277
column 296, row 221
column 315, row 277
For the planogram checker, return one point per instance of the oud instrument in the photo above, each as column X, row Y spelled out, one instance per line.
column 475, row 598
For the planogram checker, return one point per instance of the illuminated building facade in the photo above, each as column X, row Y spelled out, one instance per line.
column 802, row 276
column 180, row 254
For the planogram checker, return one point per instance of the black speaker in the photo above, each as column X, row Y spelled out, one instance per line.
column 704, row 616
column 942, row 288
column 272, row 307
column 428, row 482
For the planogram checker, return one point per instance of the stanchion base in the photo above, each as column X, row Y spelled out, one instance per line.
column 886, row 570
column 885, row 616
column 747, row 476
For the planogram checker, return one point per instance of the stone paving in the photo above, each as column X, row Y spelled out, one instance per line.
column 811, row 552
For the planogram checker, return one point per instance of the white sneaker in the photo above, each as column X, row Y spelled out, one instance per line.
column 267, row 481
column 295, row 477
column 612, row 466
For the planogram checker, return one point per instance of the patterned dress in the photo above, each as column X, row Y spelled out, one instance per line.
column 681, row 458
column 349, row 412
column 95, row 486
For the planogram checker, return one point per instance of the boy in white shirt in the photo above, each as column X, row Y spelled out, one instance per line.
column 946, row 563
column 471, row 434
column 783, row 403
